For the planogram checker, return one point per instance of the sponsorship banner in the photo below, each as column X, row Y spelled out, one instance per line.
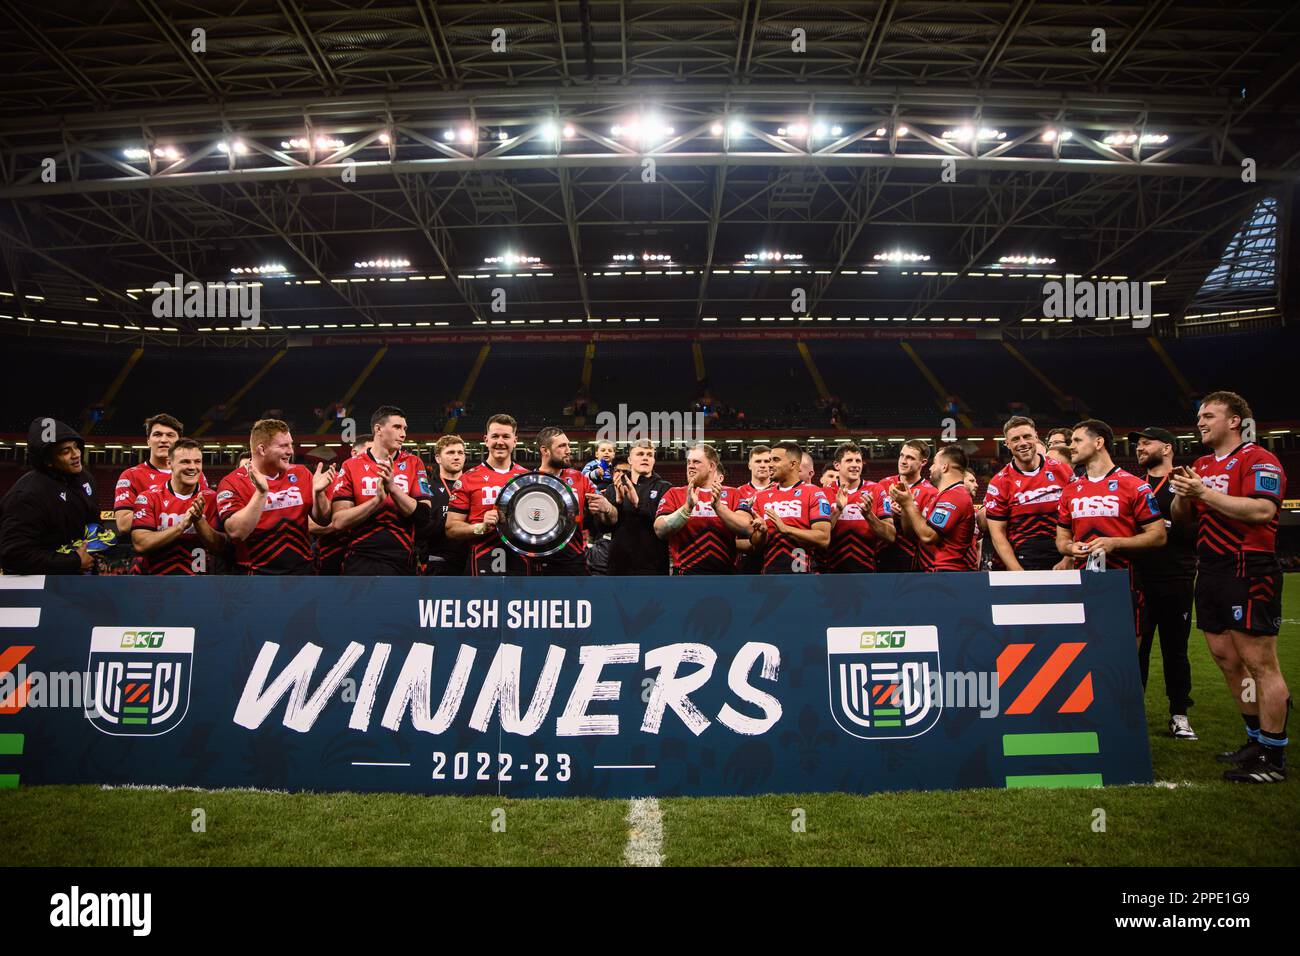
column 573, row 687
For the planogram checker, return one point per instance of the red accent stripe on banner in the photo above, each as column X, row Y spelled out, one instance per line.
column 1081, row 699
column 9, row 659
column 1045, row 679
column 1010, row 659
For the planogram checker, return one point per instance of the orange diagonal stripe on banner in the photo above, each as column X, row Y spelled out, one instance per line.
column 1045, row 679
column 1010, row 659
column 1081, row 699
column 885, row 692
column 9, row 659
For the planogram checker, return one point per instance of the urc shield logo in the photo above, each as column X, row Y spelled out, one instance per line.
column 881, row 678
column 141, row 679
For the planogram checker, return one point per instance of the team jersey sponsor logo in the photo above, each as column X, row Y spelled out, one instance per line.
column 1218, row 483
column 941, row 515
column 123, row 483
column 224, row 495
column 785, row 509
column 278, row 500
column 881, row 679
column 141, row 679
column 1094, row 506
column 992, row 490
column 1036, row 495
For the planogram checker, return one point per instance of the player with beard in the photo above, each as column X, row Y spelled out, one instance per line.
column 698, row 519
column 792, row 518
column 376, row 499
column 1167, row 575
column 472, row 514
column 331, row 545
column 1106, row 515
column 860, row 524
column 913, row 460
column 443, row 556
column 944, row 526
column 593, row 507
column 1234, row 495
column 161, row 432
column 265, row 508
column 172, row 527
column 1021, row 499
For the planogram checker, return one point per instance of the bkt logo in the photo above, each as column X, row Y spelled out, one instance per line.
column 880, row 680
column 1094, row 506
column 872, row 639
column 143, row 638
column 141, row 689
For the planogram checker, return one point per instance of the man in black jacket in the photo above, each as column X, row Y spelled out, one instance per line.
column 49, row 507
column 635, row 548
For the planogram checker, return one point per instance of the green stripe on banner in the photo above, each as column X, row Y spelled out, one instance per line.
column 889, row 723
column 1055, row 780
column 1038, row 745
column 8, row 781
column 135, row 720
column 135, row 710
column 885, row 712
column 11, row 745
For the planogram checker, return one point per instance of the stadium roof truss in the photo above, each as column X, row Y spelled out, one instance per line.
column 154, row 139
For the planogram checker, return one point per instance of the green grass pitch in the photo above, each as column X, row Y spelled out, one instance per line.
column 1190, row 818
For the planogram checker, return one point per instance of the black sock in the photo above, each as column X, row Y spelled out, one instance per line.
column 1252, row 726
column 1274, row 747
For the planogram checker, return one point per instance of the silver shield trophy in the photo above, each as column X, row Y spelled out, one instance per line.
column 539, row 514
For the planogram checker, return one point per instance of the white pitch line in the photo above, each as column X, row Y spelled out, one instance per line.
column 645, row 833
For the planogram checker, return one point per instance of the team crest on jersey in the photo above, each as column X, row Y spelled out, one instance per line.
column 881, row 679
column 293, row 479
column 1113, row 485
column 1229, row 465
column 402, row 467
column 141, row 679
column 1237, row 612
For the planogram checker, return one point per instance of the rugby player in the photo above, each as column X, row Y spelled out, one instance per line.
column 376, row 497
column 749, row 560
column 161, row 432
column 859, row 521
column 792, row 517
column 331, row 545
column 1021, row 501
column 943, row 527
column 913, row 459
column 553, row 445
column 972, row 482
column 701, row 519
column 472, row 512
column 1167, row 575
column 1234, row 495
column 1106, row 514
column 172, row 527
column 443, row 556
column 265, row 507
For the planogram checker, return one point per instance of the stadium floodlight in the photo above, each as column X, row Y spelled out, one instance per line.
column 646, row 129
column 736, row 128
column 902, row 131
column 964, row 134
column 1129, row 138
column 715, row 129
column 512, row 259
column 502, row 136
column 899, row 255
column 269, row 269
column 1026, row 261
column 466, row 135
column 448, row 135
column 236, row 146
column 135, row 153
column 1052, row 135
column 167, row 152
column 385, row 138
column 773, row 256
column 382, row 264
column 881, row 131
column 569, row 132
